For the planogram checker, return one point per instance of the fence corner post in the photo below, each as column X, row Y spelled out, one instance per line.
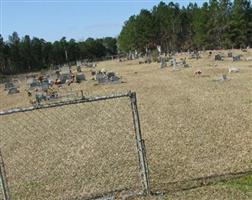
column 140, row 144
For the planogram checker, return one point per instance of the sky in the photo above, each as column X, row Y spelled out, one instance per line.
column 77, row 19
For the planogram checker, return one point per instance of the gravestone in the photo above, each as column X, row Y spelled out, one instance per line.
column 108, row 77
column 33, row 83
column 8, row 85
column 80, row 77
column 162, row 63
column 40, row 96
column 64, row 77
column 45, row 84
column 78, row 68
column 236, row 58
column 233, row 70
column 230, row 54
column 224, row 77
column 13, row 90
column 174, row 64
column 218, row 57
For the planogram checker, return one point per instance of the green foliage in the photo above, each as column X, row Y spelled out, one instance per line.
column 26, row 54
column 214, row 25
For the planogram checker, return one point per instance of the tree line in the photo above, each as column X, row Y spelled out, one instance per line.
column 18, row 55
column 219, row 24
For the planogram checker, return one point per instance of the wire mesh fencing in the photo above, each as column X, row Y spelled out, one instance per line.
column 83, row 148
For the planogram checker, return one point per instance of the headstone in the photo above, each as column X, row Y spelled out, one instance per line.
column 40, row 96
column 80, row 77
column 224, row 76
column 64, row 77
column 236, row 58
column 78, row 68
column 174, row 63
column 57, row 73
column 8, row 85
column 45, row 85
column 218, row 57
column 233, row 70
column 159, row 49
column 107, row 77
column 162, row 63
column 34, row 83
column 230, row 54
column 101, row 78
column 13, row 90
column 114, row 78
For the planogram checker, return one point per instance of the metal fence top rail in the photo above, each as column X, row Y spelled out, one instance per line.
column 68, row 102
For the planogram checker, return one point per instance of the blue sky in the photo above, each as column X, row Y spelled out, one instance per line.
column 78, row 19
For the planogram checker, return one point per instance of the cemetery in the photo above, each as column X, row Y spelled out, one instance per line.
column 186, row 120
column 66, row 79
column 125, row 100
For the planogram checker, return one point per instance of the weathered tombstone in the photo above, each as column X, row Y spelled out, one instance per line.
column 45, row 85
column 218, row 57
column 236, row 58
column 162, row 63
column 78, row 68
column 197, row 56
column 230, row 54
column 107, row 77
column 80, row 77
column 40, row 96
column 8, row 85
column 224, row 76
column 114, row 79
column 174, row 63
column 99, row 76
column 64, row 77
column 13, row 90
column 57, row 73
column 159, row 50
column 233, row 70
column 33, row 83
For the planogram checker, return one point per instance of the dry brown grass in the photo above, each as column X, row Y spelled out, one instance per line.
column 70, row 152
column 193, row 126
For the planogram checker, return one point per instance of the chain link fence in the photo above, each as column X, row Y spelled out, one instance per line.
column 83, row 148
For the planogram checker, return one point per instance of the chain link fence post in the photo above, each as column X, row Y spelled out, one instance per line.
column 3, row 181
column 140, row 145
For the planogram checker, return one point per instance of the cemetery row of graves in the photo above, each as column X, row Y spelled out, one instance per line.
column 44, row 87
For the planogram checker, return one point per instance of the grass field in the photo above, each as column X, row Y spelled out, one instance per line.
column 192, row 126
